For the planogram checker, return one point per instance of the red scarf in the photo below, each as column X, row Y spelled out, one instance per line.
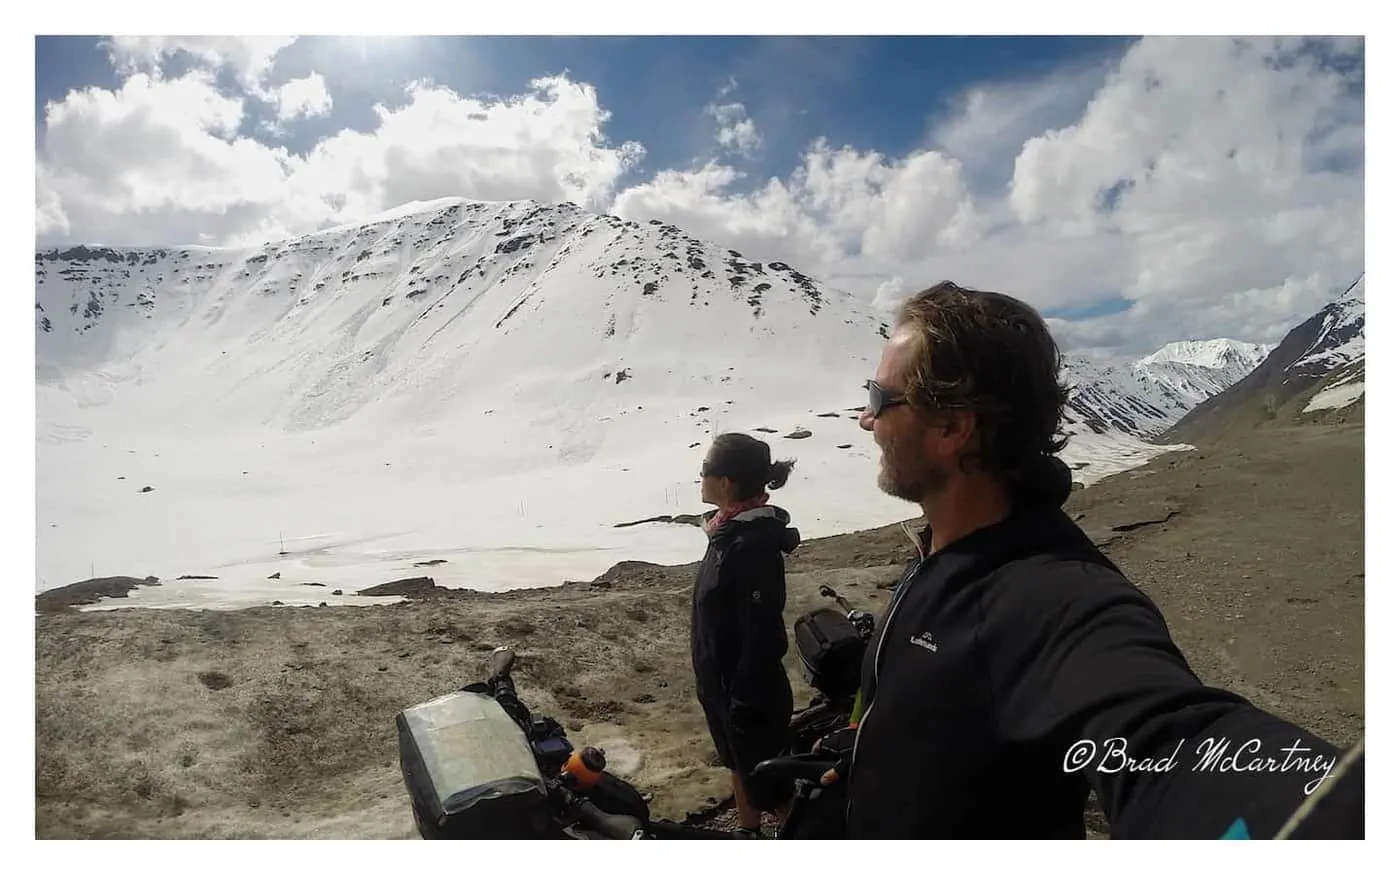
column 734, row 510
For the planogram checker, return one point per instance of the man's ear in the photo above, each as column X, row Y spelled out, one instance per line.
column 951, row 431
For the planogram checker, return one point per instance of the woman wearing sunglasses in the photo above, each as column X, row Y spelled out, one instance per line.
column 738, row 636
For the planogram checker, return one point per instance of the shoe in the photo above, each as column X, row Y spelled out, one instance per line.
column 744, row 832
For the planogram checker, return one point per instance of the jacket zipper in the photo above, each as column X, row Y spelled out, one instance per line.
column 879, row 645
column 903, row 587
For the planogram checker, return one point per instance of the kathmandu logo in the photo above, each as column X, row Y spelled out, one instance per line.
column 925, row 641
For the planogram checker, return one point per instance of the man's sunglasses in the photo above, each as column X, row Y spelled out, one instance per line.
column 881, row 399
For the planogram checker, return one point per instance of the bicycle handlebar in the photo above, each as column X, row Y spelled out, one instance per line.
column 799, row 767
column 615, row 826
column 621, row 827
column 498, row 669
column 832, row 594
column 579, row 807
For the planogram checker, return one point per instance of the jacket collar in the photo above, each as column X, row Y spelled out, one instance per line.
column 767, row 511
column 1030, row 530
column 768, row 518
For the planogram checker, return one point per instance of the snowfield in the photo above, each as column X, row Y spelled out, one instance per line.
column 493, row 385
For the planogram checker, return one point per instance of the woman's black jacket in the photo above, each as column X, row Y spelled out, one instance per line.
column 738, row 636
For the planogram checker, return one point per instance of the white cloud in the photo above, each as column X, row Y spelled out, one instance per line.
column 547, row 145
column 891, row 292
column 987, row 124
column 1210, row 160
column 160, row 160
column 307, row 97
column 737, row 132
column 154, row 147
column 250, row 57
column 49, row 218
column 1215, row 183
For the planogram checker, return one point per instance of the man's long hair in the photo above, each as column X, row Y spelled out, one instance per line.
column 992, row 355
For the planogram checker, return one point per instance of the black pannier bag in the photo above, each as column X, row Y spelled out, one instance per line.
column 830, row 649
column 470, row 771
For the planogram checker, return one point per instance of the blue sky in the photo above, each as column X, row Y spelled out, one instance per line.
column 1141, row 190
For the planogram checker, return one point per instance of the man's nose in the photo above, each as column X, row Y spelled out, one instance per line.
column 867, row 420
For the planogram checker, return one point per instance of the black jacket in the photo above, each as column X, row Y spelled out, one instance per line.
column 737, row 634
column 1004, row 671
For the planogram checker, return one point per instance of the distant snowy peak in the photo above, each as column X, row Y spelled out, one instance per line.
column 1234, row 357
column 1143, row 397
column 1318, row 366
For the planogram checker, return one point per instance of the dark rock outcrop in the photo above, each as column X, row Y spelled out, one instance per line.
column 89, row 592
column 408, row 587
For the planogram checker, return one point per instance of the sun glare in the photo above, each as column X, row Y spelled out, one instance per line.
column 365, row 48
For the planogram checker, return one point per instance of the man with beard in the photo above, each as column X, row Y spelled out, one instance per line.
column 1016, row 668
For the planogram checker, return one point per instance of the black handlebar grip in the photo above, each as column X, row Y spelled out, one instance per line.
column 502, row 659
column 800, row 767
column 621, row 827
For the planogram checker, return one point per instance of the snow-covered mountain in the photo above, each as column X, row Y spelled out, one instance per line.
column 1318, row 368
column 404, row 319
column 1145, row 396
column 493, row 384
column 1232, row 358
column 1336, row 359
column 501, row 382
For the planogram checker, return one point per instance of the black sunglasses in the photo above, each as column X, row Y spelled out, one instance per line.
column 882, row 399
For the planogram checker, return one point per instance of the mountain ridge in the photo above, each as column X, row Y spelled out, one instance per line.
column 1144, row 396
column 1316, row 371
column 462, row 257
column 1140, row 397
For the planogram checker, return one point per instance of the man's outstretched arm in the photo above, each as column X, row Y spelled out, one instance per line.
column 1100, row 682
